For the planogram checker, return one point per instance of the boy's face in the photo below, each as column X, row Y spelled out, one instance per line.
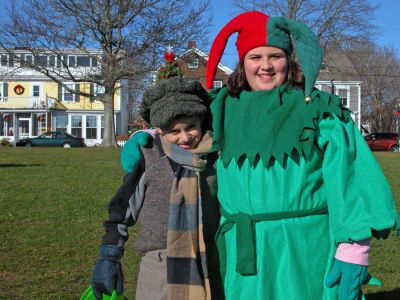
column 185, row 132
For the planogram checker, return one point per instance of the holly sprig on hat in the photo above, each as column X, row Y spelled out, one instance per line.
column 170, row 67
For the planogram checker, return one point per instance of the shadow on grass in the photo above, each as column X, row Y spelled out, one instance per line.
column 390, row 295
column 18, row 165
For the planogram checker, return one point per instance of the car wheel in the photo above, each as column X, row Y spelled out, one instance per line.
column 28, row 144
column 66, row 145
column 395, row 148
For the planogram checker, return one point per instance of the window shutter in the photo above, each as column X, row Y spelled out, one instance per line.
column 91, row 92
column 58, row 61
column 5, row 89
column 60, row 92
column 77, row 96
column 11, row 60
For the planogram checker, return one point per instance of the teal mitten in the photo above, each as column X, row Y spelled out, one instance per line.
column 350, row 277
column 131, row 154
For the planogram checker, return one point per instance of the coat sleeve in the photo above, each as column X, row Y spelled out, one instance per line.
column 360, row 201
column 124, row 207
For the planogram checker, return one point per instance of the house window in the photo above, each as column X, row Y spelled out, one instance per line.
column 217, row 83
column 3, row 91
column 342, row 93
column 76, row 126
column 66, row 95
column 61, row 123
column 102, row 126
column 194, row 63
column 83, row 61
column 52, row 61
column 91, row 127
column 36, row 91
column 71, row 61
column 4, row 60
column 41, row 60
column 28, row 58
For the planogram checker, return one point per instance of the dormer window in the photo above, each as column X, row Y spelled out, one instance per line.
column 194, row 63
column 83, row 61
column 4, row 60
column 217, row 83
column 342, row 93
column 40, row 60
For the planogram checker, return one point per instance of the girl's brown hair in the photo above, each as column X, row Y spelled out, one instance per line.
column 237, row 81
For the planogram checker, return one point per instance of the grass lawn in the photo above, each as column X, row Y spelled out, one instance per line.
column 53, row 202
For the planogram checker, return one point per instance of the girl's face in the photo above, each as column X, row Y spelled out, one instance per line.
column 265, row 68
column 185, row 132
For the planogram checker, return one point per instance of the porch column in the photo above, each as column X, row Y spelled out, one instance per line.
column 15, row 129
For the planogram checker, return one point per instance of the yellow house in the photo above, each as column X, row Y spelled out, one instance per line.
column 31, row 103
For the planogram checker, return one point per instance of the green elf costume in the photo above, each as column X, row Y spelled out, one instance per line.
column 295, row 177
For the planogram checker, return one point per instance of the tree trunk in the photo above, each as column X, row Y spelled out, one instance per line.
column 109, row 139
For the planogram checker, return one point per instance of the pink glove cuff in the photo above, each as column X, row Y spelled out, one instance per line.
column 152, row 132
column 354, row 253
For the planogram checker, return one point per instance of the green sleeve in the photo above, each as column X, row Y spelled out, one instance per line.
column 360, row 201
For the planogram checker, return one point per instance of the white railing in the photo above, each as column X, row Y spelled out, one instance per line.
column 93, row 143
column 28, row 102
column 9, row 138
column 121, row 143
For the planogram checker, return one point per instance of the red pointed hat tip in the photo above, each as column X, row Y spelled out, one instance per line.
column 252, row 29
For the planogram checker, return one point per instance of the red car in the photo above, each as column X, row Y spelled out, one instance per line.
column 383, row 141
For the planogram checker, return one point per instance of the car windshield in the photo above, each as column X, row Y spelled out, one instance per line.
column 46, row 135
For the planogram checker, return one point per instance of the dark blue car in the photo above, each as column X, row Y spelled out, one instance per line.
column 52, row 139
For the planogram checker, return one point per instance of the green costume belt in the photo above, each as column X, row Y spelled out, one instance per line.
column 245, row 235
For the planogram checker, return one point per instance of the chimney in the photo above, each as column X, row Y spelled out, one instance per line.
column 191, row 45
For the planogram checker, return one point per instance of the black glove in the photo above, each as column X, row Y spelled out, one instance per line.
column 107, row 273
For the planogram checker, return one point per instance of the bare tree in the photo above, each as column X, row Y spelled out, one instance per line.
column 334, row 21
column 379, row 69
column 131, row 35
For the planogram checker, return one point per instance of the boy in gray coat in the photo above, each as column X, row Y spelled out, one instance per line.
column 172, row 194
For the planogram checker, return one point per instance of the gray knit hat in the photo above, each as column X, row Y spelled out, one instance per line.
column 172, row 98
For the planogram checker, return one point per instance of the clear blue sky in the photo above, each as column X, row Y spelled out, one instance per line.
column 387, row 18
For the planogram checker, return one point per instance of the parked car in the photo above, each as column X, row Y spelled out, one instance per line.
column 383, row 141
column 52, row 139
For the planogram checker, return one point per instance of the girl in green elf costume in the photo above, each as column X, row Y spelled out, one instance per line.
column 300, row 192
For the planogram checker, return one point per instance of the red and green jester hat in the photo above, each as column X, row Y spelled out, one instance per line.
column 256, row 29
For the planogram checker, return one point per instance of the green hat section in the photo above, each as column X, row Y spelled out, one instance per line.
column 89, row 295
column 172, row 98
column 283, row 33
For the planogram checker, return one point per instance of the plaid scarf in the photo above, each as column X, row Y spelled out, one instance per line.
column 186, row 259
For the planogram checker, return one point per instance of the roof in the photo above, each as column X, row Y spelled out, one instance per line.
column 337, row 66
column 200, row 53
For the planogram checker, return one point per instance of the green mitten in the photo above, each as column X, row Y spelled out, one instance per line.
column 131, row 154
column 349, row 277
